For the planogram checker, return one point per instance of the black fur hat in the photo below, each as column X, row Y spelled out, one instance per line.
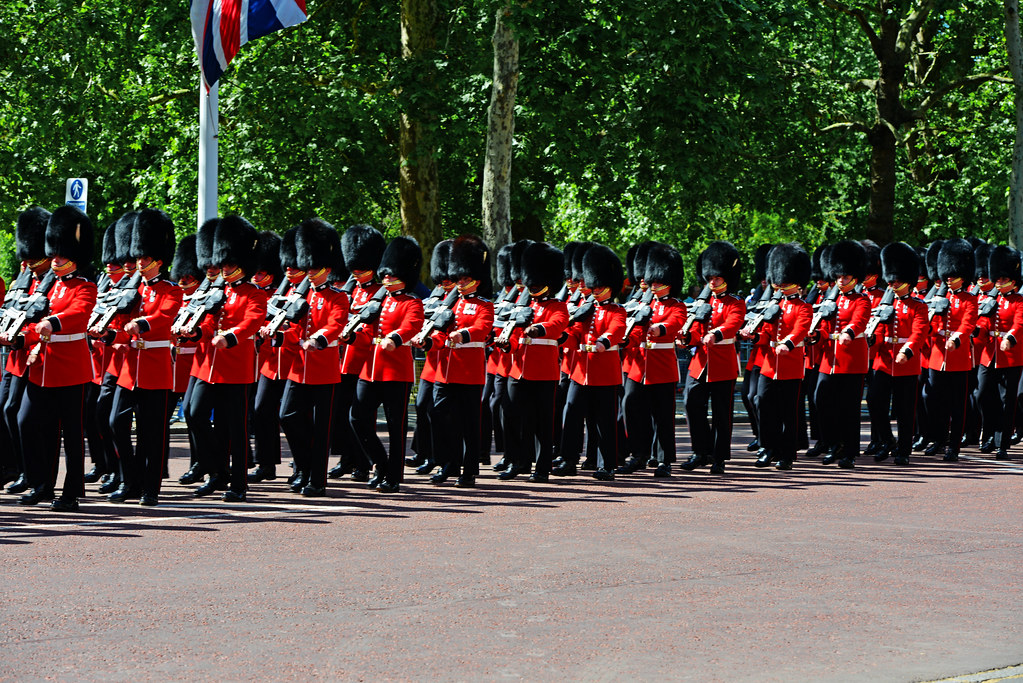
column 108, row 250
column 235, row 242
column 363, row 247
column 975, row 242
column 900, row 262
column 204, row 244
column 664, row 265
column 873, row 257
column 760, row 263
column 469, row 257
column 1004, row 262
column 577, row 259
column 289, row 257
column 69, row 234
column 981, row 257
column 153, row 235
column 518, row 248
column 185, row 263
column 636, row 261
column 504, row 258
column 123, row 229
column 932, row 259
column 816, row 270
column 30, row 234
column 439, row 262
column 568, row 252
column 268, row 255
column 603, row 268
column 921, row 253
column 956, row 260
column 543, row 266
column 402, row 259
column 788, row 264
column 847, row 257
column 722, row 259
column 318, row 245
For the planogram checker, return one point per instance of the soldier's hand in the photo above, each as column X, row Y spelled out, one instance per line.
column 219, row 342
column 1005, row 345
column 901, row 358
column 781, row 349
column 387, row 344
column 455, row 337
column 845, row 338
column 708, row 339
column 656, row 331
column 44, row 328
column 949, row 345
column 132, row 328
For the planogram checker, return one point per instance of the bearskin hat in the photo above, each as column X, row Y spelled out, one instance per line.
column 932, row 259
column 543, row 266
column 1003, row 262
column 788, row 264
column 921, row 253
column 873, row 257
column 900, row 263
column 108, row 249
column 439, row 262
column 847, row 257
column 956, row 260
column 268, row 255
column 153, row 235
column 577, row 259
column 975, row 242
column 603, row 268
column 722, row 259
column 235, row 242
column 760, row 263
column 402, row 258
column 567, row 253
column 289, row 257
column 69, row 234
column 981, row 257
column 204, row 243
column 123, row 229
column 30, row 234
column 469, row 257
column 185, row 263
column 816, row 270
column 664, row 265
column 516, row 258
column 363, row 247
column 636, row 261
column 318, row 245
column 504, row 258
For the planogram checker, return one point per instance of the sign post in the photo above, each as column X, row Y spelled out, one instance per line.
column 77, row 193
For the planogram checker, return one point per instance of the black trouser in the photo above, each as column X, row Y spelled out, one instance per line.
column 777, row 404
column 560, row 394
column 10, row 458
column 393, row 396
column 344, row 441
column 306, row 412
column 104, row 408
column 874, row 434
column 486, row 420
column 650, row 418
column 750, row 382
column 972, row 426
column 810, row 379
column 423, row 437
column 227, row 441
column 532, row 408
column 46, row 414
column 91, row 427
column 838, row 403
column 801, row 439
column 266, row 426
column 456, row 427
column 900, row 394
column 997, row 388
column 945, row 397
column 713, row 442
column 921, row 405
column 879, row 404
column 141, row 466
column 597, row 405
column 498, row 409
column 186, row 401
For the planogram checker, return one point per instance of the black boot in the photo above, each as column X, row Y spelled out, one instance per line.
column 988, row 446
column 631, row 465
column 753, row 446
column 872, row 448
column 766, row 458
column 951, row 454
column 933, row 449
column 694, row 461
column 883, row 452
column 426, row 467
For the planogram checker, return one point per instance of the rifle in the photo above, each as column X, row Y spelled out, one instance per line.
column 349, row 286
column 503, row 308
column 367, row 315
column 520, row 316
column 119, row 298
column 207, row 300
column 440, row 318
column 813, row 294
column 582, row 311
column 756, row 309
column 562, row 294
column 435, row 299
column 19, row 288
column 641, row 313
column 938, row 304
column 700, row 312
column 28, row 308
column 825, row 309
column 284, row 309
column 989, row 307
column 883, row 314
column 766, row 311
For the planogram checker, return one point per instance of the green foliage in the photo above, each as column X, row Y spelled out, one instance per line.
column 8, row 260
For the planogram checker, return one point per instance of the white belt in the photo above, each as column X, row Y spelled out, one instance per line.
column 529, row 341
column 54, row 338
column 724, row 341
column 224, row 333
column 333, row 343
column 942, row 333
column 592, row 348
column 466, row 345
column 186, row 350
column 143, row 344
column 896, row 340
column 659, row 346
column 776, row 343
column 836, row 335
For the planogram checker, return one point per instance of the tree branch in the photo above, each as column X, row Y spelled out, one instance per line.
column 970, row 81
column 157, row 100
column 911, row 26
column 861, row 19
column 856, row 126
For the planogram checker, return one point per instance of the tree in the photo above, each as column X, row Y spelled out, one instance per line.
column 1015, row 48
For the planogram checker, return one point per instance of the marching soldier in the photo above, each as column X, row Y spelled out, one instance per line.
column 758, row 351
column 496, row 360
column 874, row 292
column 715, row 364
column 813, row 354
column 979, row 424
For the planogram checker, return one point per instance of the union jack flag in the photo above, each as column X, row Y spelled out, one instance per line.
column 221, row 27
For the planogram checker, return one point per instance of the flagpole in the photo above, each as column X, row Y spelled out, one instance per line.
column 208, row 125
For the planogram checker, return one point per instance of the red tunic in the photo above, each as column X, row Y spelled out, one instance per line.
column 328, row 311
column 17, row 359
column 1006, row 323
column 239, row 320
column 401, row 318
column 653, row 359
column 720, row 359
column 906, row 333
column 465, row 362
column 606, row 327
column 852, row 317
column 536, row 358
column 957, row 324
column 789, row 329
column 65, row 360
column 148, row 364
column 361, row 350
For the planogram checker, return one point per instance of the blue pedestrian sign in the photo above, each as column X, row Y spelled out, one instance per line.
column 77, row 193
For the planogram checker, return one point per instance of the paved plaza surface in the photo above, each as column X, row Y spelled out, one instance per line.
column 818, row 574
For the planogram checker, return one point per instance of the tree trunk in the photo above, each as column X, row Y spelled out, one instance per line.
column 500, row 133
column 1012, row 39
column 417, row 171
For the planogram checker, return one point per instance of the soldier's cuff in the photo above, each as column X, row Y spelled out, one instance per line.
column 143, row 324
column 955, row 339
column 108, row 337
column 605, row 342
column 54, row 322
column 1012, row 339
column 396, row 338
column 464, row 336
column 788, row 343
column 232, row 340
column 320, row 340
column 906, row 351
column 662, row 330
column 718, row 335
column 849, row 331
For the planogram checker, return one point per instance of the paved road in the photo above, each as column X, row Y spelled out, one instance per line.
column 879, row 574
